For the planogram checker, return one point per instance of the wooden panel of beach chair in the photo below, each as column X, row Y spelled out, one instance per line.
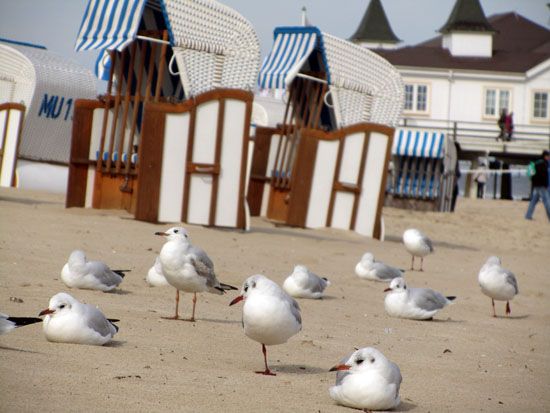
column 197, row 179
column 339, row 178
column 11, row 127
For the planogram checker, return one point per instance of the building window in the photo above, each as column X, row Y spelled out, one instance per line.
column 540, row 105
column 496, row 100
column 416, row 98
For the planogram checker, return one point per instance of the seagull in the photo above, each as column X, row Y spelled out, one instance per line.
column 188, row 268
column 270, row 316
column 8, row 323
column 155, row 277
column 78, row 272
column 418, row 245
column 369, row 269
column 497, row 283
column 302, row 283
column 415, row 303
column 70, row 321
column 367, row 380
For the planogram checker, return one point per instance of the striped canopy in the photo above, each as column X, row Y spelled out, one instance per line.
column 292, row 46
column 422, row 144
column 109, row 24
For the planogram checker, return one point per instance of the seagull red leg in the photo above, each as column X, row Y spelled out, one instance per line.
column 508, row 310
column 421, row 263
column 267, row 372
column 412, row 263
column 176, row 316
column 194, row 304
column 494, row 312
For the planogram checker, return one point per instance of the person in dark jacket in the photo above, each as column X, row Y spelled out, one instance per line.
column 539, row 183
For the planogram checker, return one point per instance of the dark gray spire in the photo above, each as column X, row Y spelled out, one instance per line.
column 374, row 26
column 467, row 15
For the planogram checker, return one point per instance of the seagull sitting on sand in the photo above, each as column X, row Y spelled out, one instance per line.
column 78, row 272
column 270, row 316
column 418, row 245
column 188, row 268
column 369, row 269
column 415, row 303
column 8, row 323
column 155, row 276
column 70, row 321
column 497, row 283
column 367, row 380
column 302, row 283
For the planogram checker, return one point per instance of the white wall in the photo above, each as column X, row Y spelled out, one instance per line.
column 469, row 44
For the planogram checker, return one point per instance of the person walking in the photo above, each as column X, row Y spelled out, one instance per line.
column 480, row 177
column 509, row 126
column 539, row 185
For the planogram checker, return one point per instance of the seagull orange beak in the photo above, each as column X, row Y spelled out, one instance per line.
column 46, row 311
column 236, row 300
column 340, row 367
column 387, row 289
column 162, row 234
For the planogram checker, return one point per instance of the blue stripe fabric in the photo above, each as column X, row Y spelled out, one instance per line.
column 109, row 24
column 422, row 144
column 292, row 46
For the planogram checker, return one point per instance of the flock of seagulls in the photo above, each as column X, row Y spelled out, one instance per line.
column 366, row 379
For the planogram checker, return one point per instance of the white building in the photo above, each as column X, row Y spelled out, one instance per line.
column 474, row 69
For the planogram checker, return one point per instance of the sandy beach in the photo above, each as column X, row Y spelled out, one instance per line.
column 463, row 361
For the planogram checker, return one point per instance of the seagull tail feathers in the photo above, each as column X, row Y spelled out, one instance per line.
column 121, row 272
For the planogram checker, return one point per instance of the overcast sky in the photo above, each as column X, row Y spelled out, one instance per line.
column 55, row 23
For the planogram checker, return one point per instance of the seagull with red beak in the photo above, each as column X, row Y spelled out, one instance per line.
column 188, row 268
column 270, row 316
column 367, row 380
column 70, row 321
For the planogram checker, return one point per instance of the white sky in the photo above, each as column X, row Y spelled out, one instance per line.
column 55, row 23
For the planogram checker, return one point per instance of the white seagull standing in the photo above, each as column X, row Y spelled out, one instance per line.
column 302, row 283
column 497, row 283
column 369, row 269
column 78, row 272
column 418, row 245
column 415, row 303
column 367, row 380
column 188, row 268
column 8, row 323
column 155, row 276
column 270, row 316
column 70, row 321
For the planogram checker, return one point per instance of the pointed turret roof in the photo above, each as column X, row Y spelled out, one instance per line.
column 374, row 26
column 467, row 15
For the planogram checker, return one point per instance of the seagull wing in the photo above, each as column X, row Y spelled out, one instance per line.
column 97, row 321
column 386, row 272
column 427, row 299
column 511, row 279
column 104, row 274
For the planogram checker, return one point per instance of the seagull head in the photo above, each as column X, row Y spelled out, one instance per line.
column 175, row 234
column 397, row 285
column 367, row 258
column 59, row 304
column 494, row 260
column 366, row 358
column 77, row 257
column 299, row 268
column 255, row 283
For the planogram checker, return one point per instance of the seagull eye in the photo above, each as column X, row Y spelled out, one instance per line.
column 62, row 306
column 372, row 360
column 359, row 361
column 245, row 288
column 176, row 231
